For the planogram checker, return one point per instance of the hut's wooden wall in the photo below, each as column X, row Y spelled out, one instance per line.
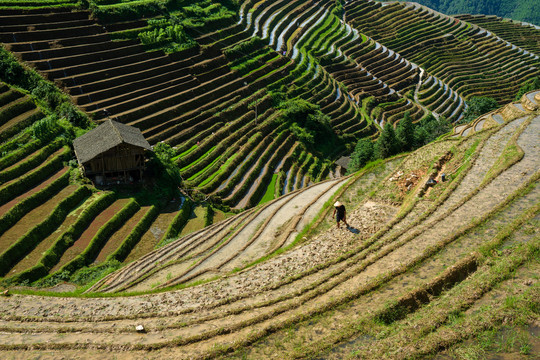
column 123, row 157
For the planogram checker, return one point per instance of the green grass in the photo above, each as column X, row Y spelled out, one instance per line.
column 185, row 152
column 221, row 168
column 270, row 190
column 199, row 159
column 193, row 177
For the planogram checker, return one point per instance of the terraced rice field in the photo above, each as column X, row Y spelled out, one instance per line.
column 199, row 102
column 407, row 264
column 276, row 278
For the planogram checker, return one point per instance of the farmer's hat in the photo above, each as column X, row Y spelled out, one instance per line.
column 338, row 204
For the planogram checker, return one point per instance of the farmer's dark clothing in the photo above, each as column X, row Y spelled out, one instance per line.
column 340, row 212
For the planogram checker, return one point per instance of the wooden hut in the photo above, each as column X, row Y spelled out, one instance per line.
column 343, row 164
column 112, row 153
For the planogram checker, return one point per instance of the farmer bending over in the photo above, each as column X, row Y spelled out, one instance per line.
column 341, row 213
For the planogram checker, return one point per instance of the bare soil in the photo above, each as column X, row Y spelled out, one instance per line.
column 33, row 218
column 119, row 236
column 7, row 206
column 83, row 241
column 156, row 232
column 33, row 258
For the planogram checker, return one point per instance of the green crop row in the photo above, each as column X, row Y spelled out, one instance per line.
column 20, row 125
column 224, row 139
column 272, row 146
column 34, row 236
column 280, row 182
column 16, row 109
column 64, row 241
column 244, row 151
column 20, row 148
column 132, row 10
column 179, row 221
column 36, row 3
column 135, row 235
column 254, row 63
column 244, row 48
column 30, row 163
column 244, row 167
column 26, row 182
column 23, row 207
column 261, row 189
column 9, row 96
column 12, row 145
column 98, row 241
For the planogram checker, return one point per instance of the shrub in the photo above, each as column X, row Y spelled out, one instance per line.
column 91, row 274
column 12, row 72
column 46, row 128
column 48, row 93
column 308, row 124
column 74, row 116
column 163, row 166
column 476, row 106
column 429, row 129
column 363, row 153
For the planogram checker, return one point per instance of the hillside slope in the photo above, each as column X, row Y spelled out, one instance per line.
column 422, row 268
column 527, row 10
column 221, row 101
column 257, row 100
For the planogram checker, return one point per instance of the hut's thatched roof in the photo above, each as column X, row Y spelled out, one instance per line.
column 106, row 136
column 343, row 161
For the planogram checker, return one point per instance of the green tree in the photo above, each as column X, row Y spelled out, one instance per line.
column 476, row 106
column 405, row 133
column 363, row 153
column 429, row 129
column 308, row 124
column 163, row 160
column 387, row 144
